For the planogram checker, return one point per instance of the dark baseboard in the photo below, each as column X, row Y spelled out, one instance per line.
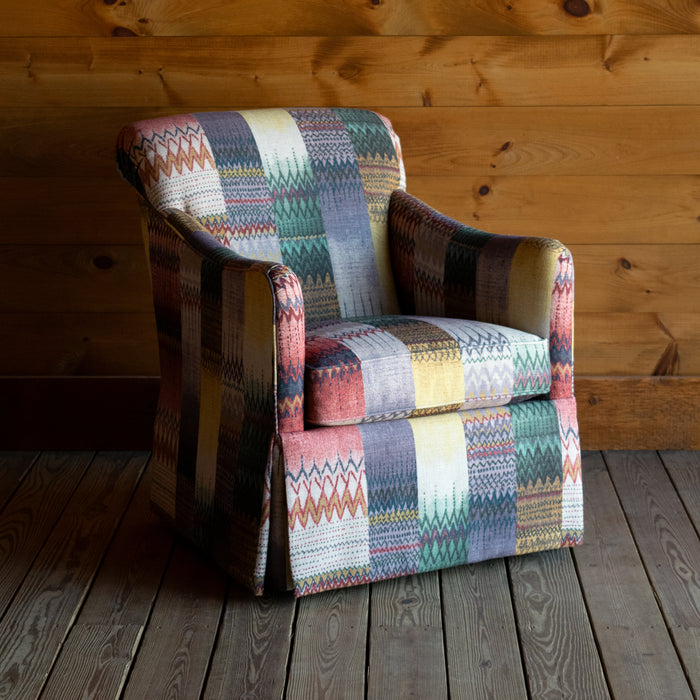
column 112, row 413
column 77, row 413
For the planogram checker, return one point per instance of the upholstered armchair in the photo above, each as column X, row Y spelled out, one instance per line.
column 353, row 386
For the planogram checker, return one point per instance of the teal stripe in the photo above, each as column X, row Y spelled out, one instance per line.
column 298, row 217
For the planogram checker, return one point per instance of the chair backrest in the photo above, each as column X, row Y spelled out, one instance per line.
column 306, row 187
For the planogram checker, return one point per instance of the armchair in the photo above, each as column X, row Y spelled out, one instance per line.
column 353, row 386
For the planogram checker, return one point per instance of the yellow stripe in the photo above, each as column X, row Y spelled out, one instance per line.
column 530, row 287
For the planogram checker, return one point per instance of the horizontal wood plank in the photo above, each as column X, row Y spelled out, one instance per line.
column 471, row 142
column 642, row 413
column 77, row 412
column 89, row 278
column 74, row 209
column 574, row 209
column 85, row 344
column 637, row 278
column 596, row 209
column 619, row 344
column 276, row 17
column 398, row 71
column 86, row 279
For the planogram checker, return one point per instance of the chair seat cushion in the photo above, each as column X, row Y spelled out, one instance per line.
column 381, row 368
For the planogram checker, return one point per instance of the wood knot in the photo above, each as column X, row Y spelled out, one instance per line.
column 625, row 263
column 103, row 262
column 110, row 2
column 577, row 8
column 484, row 190
column 506, row 146
column 349, row 71
column 123, row 31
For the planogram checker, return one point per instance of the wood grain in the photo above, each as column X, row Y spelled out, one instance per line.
column 84, row 344
column 110, row 625
column 130, row 576
column 40, row 615
column 329, row 654
column 397, row 71
column 31, row 514
column 645, row 209
column 637, row 278
column 114, row 279
column 684, row 469
column 617, row 413
column 475, row 142
column 96, row 665
column 558, row 647
column 74, row 210
column 308, row 17
column 57, row 278
column 668, row 545
column 263, row 627
column 618, row 344
column 594, row 209
column 406, row 653
column 630, row 631
column 178, row 642
column 14, row 466
column 481, row 642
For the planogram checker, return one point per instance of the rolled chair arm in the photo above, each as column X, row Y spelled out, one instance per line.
column 445, row 268
column 231, row 339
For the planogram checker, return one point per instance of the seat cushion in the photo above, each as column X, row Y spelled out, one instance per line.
column 389, row 367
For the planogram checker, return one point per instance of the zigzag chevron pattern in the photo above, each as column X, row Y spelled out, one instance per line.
column 378, row 367
column 492, row 482
column 561, row 328
column 390, row 465
column 276, row 306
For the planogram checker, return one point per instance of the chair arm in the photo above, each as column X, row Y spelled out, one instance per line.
column 252, row 313
column 445, row 268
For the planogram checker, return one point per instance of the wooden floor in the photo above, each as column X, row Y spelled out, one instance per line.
column 98, row 599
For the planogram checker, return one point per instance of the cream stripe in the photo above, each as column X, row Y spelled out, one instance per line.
column 441, row 463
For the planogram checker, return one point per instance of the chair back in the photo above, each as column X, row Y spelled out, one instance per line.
column 306, row 187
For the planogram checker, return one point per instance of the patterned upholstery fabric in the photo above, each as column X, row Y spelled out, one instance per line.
column 281, row 242
column 378, row 500
column 408, row 366
column 309, row 188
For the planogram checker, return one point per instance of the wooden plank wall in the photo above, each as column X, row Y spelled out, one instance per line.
column 577, row 119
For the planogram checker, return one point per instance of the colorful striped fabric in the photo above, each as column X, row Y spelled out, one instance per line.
column 406, row 366
column 353, row 386
column 306, row 187
column 378, row 500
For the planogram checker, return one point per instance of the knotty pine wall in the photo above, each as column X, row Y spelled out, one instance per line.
column 576, row 119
